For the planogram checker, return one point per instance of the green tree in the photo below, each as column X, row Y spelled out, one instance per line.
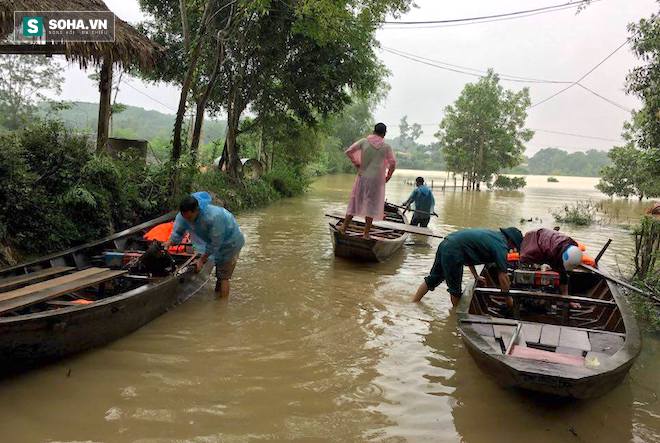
column 483, row 131
column 636, row 166
column 307, row 58
column 633, row 171
column 23, row 81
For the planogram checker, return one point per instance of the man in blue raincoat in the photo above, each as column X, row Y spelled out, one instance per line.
column 424, row 203
column 214, row 232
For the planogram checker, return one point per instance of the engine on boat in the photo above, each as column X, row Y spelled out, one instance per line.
column 155, row 261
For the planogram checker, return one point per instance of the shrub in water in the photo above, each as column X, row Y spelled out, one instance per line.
column 581, row 213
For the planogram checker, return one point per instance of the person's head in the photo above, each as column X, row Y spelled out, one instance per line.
column 189, row 208
column 571, row 258
column 419, row 181
column 513, row 236
column 380, row 129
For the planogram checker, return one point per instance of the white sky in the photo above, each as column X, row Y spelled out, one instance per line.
column 558, row 46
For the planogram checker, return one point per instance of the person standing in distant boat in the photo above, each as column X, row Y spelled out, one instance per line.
column 375, row 162
column 424, row 202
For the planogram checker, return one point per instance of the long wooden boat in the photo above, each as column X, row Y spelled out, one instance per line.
column 546, row 345
column 73, row 300
column 381, row 245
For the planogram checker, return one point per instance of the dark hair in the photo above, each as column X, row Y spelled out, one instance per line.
column 188, row 204
column 419, row 181
column 380, row 129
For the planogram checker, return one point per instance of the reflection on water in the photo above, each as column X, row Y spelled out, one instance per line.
column 313, row 348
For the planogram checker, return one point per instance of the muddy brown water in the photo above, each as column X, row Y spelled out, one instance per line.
column 310, row 348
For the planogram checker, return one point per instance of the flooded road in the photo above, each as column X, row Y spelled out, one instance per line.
column 310, row 348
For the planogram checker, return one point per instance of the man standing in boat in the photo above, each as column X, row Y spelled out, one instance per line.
column 375, row 162
column 424, row 202
column 214, row 232
column 471, row 247
column 550, row 247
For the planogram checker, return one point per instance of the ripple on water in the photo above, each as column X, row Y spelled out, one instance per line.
column 155, row 415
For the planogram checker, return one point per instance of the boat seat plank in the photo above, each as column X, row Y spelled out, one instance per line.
column 389, row 225
column 550, row 335
column 551, row 357
column 574, row 338
column 516, row 293
column 569, row 351
column 604, row 342
column 9, row 283
column 483, row 329
column 49, row 283
column 502, row 330
column 64, row 287
column 492, row 341
column 532, row 332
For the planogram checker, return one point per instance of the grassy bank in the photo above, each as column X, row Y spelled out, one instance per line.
column 58, row 193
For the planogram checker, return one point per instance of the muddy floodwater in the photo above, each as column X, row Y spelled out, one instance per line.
column 311, row 348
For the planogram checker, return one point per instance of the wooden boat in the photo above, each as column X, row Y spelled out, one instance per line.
column 544, row 344
column 71, row 301
column 383, row 242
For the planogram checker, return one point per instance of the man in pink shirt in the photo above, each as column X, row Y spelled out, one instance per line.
column 375, row 162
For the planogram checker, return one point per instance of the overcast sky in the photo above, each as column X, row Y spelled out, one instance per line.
column 555, row 46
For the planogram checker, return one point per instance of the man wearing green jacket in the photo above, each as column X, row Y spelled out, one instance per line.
column 470, row 247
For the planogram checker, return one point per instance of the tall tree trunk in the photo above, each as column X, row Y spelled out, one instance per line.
column 105, row 92
column 233, row 117
column 184, row 24
column 201, row 102
column 187, row 82
column 197, row 129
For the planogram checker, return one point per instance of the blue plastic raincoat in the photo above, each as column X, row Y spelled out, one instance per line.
column 215, row 231
column 423, row 199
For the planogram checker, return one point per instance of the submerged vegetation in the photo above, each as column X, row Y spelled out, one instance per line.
column 508, row 183
column 581, row 213
column 647, row 270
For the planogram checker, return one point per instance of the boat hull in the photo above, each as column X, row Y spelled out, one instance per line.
column 359, row 249
column 33, row 340
column 551, row 377
column 549, row 382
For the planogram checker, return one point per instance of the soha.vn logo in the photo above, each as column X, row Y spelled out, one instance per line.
column 33, row 26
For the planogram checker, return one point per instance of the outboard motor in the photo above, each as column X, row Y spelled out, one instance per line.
column 156, row 261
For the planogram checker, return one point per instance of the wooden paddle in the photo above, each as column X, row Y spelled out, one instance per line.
column 415, row 210
column 390, row 225
column 620, row 282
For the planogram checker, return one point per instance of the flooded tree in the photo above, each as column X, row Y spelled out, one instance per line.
column 484, row 131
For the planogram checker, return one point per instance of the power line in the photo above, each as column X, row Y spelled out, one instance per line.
column 550, row 131
column 508, row 14
column 592, row 137
column 483, row 19
column 575, row 83
column 612, row 102
column 148, row 96
column 465, row 70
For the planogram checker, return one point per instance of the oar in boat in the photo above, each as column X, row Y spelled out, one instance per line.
column 415, row 210
column 391, row 225
column 620, row 282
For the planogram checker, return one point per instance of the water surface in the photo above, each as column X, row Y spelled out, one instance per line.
column 310, row 348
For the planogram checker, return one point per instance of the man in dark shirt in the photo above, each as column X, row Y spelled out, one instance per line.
column 470, row 247
column 559, row 251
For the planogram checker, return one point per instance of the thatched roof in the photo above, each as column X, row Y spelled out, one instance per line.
column 130, row 48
